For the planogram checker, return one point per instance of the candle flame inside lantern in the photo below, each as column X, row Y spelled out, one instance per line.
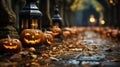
column 34, row 24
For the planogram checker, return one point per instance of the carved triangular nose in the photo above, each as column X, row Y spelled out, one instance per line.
column 33, row 36
column 10, row 43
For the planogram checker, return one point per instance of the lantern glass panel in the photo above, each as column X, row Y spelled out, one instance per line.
column 24, row 24
column 34, row 23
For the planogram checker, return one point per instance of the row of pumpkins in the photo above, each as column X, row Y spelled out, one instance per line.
column 108, row 32
column 33, row 37
column 30, row 37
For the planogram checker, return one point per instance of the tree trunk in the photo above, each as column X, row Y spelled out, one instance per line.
column 7, row 16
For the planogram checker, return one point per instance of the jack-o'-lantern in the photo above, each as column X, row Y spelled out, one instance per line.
column 48, row 39
column 56, row 30
column 31, row 37
column 10, row 45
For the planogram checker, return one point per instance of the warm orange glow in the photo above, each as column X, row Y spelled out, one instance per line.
column 34, row 24
column 24, row 24
column 111, row 1
column 92, row 19
column 98, row 9
column 102, row 22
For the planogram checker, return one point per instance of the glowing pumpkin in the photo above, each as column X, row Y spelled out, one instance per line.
column 48, row 39
column 10, row 45
column 31, row 37
column 56, row 30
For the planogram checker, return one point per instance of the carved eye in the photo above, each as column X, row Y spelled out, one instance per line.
column 27, row 34
column 16, row 40
column 6, row 42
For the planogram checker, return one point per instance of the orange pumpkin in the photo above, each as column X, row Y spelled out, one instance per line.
column 10, row 45
column 73, row 31
column 66, row 33
column 48, row 39
column 108, row 32
column 97, row 29
column 81, row 29
column 31, row 37
column 49, row 32
column 56, row 30
column 115, row 33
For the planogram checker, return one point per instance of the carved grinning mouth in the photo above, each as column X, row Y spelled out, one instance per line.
column 56, row 33
column 49, row 42
column 10, row 47
column 32, row 41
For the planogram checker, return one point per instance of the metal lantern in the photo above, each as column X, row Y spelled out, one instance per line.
column 29, row 16
column 56, row 19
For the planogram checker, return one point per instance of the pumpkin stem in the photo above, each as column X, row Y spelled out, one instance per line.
column 9, row 38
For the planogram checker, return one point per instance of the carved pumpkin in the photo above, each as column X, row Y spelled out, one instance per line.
column 48, row 39
column 31, row 37
column 56, row 30
column 10, row 45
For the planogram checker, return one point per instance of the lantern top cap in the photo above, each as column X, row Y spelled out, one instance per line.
column 31, row 9
column 56, row 9
column 56, row 15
